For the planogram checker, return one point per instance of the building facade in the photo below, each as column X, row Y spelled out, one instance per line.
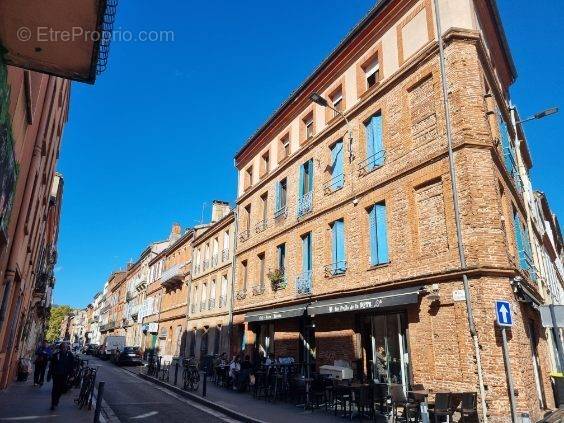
column 387, row 224
column 210, row 285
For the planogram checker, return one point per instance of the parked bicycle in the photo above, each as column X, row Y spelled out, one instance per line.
column 165, row 372
column 87, row 388
column 190, row 375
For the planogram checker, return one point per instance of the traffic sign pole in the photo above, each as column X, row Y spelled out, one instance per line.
column 508, row 375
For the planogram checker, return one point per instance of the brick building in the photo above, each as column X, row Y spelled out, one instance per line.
column 360, row 240
column 210, row 285
column 113, row 300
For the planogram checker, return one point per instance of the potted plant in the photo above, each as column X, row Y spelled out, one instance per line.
column 277, row 279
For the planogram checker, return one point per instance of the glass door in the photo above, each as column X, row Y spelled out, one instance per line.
column 390, row 359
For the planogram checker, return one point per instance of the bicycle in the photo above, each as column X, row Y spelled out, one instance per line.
column 165, row 373
column 87, row 388
column 190, row 375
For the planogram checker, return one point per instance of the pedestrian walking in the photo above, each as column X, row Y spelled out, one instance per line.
column 60, row 367
column 42, row 357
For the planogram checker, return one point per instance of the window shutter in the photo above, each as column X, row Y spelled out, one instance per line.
column 278, row 187
column 374, row 144
column 310, row 175
column 306, row 253
column 506, row 144
column 301, row 182
column 338, row 245
column 337, row 165
column 382, row 233
column 519, row 241
column 373, row 237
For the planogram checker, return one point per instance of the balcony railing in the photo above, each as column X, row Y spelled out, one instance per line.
column 172, row 276
column 261, row 226
column 244, row 235
column 211, row 303
column 205, row 265
column 334, row 184
column 305, row 204
column 258, row 289
column 281, row 213
column 242, row 294
column 196, row 269
column 304, row 283
column 214, row 260
column 336, row 268
column 372, row 163
column 193, row 308
column 222, row 301
column 225, row 255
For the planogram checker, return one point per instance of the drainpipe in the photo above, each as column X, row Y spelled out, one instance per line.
column 233, row 269
column 460, row 242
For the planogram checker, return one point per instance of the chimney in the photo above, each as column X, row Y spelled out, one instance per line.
column 219, row 210
column 175, row 232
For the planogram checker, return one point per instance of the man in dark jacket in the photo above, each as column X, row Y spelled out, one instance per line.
column 42, row 356
column 60, row 367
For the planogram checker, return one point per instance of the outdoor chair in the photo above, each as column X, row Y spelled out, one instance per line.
column 364, row 400
column 342, row 400
column 318, row 393
column 380, row 396
column 399, row 400
column 445, row 406
column 468, row 407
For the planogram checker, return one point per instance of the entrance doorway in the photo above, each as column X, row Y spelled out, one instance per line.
column 386, row 348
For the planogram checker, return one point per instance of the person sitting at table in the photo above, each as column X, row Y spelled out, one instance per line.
column 234, row 369
column 270, row 360
column 244, row 374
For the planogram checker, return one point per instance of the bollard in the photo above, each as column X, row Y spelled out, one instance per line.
column 99, row 402
column 175, row 372
column 204, row 387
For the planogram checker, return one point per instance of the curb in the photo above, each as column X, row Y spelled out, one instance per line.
column 107, row 415
column 210, row 404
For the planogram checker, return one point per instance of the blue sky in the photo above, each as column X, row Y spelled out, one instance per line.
column 154, row 138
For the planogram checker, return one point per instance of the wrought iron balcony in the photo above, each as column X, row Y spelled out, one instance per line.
column 172, row 275
column 281, row 213
column 335, row 269
column 334, row 184
column 193, row 308
column 258, row 289
column 211, row 303
column 244, row 235
column 372, row 163
column 214, row 260
column 225, row 255
column 222, row 301
column 242, row 294
column 205, row 265
column 305, row 204
column 304, row 283
column 261, row 226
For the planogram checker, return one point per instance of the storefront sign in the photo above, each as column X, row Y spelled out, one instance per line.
column 366, row 302
column 276, row 313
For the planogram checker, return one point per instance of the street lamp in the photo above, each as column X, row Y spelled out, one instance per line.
column 318, row 99
column 539, row 115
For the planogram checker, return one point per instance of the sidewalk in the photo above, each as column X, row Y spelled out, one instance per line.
column 249, row 408
column 23, row 401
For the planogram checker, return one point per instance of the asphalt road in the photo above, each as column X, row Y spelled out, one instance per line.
column 134, row 399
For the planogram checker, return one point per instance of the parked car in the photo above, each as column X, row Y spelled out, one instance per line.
column 90, row 349
column 113, row 345
column 129, row 355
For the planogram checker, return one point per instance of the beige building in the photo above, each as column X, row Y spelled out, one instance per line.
column 350, row 243
column 210, row 285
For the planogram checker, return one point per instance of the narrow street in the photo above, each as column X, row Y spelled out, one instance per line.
column 134, row 399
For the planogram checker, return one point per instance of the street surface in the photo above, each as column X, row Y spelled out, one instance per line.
column 134, row 399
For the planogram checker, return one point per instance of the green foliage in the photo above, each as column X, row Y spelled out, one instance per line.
column 58, row 313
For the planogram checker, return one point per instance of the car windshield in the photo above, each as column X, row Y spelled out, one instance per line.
column 130, row 349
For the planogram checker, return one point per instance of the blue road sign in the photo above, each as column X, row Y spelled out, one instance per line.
column 503, row 313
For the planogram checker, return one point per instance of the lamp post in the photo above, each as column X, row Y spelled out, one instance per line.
column 318, row 99
column 539, row 115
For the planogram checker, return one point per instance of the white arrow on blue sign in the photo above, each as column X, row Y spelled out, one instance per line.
column 503, row 313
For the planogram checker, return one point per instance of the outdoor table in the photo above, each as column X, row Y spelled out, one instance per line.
column 354, row 389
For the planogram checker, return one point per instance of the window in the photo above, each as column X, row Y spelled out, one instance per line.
column 284, row 150
column 248, row 217
column 281, row 197
column 223, row 298
column 374, row 144
column 245, row 273
column 212, row 294
column 378, row 234
column 306, row 253
column 204, row 298
column 281, row 250
column 226, row 240
column 337, row 163
column 261, row 269
column 308, row 127
column 264, row 201
column 371, row 72
column 305, row 188
column 337, row 100
column 195, row 299
column 265, row 163
column 249, row 177
column 339, row 264
column 523, row 245
column 509, row 153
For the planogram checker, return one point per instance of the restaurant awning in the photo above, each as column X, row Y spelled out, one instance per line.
column 276, row 313
column 366, row 302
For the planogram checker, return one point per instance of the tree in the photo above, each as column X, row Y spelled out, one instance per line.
column 58, row 313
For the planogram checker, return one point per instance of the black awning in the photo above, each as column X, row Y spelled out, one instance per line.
column 366, row 302
column 276, row 313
